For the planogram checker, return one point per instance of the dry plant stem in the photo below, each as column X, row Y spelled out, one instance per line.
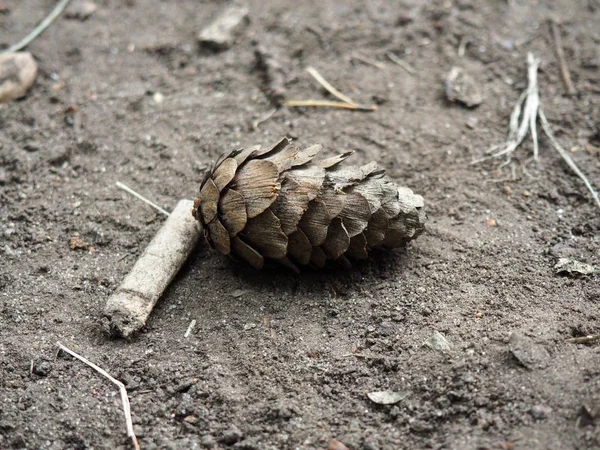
column 565, row 155
column 584, row 339
column 560, row 55
column 190, row 328
column 144, row 199
column 368, row 62
column 517, row 132
column 409, row 69
column 58, row 9
column 328, row 104
column 121, row 386
column 130, row 306
column 333, row 91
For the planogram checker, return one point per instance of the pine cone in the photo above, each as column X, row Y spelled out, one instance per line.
column 277, row 203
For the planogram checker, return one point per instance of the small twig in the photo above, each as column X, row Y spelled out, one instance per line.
column 584, row 339
column 368, row 61
column 129, row 307
column 392, row 57
column 330, row 104
column 328, row 87
column 560, row 55
column 144, row 199
column 190, row 328
column 565, row 155
column 121, row 386
column 58, row 9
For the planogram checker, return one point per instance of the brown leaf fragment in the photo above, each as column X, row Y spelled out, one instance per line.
column 247, row 253
column 318, row 257
column 299, row 247
column 223, row 175
column 76, row 243
column 264, row 233
column 330, row 162
column 258, row 184
column 233, row 211
column 356, row 213
column 219, row 237
column 336, row 445
column 337, row 241
column 209, row 196
column 358, row 247
column 314, row 223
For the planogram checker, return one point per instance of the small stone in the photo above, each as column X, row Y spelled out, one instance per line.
column 80, row 9
column 472, row 122
column 42, row 368
column 208, row 441
column 491, row 223
column 249, row 326
column 528, row 353
column 462, row 88
column 572, row 267
column 540, row 412
column 438, row 341
column 158, row 98
column 336, row 445
column 231, row 436
column 17, row 73
column 221, row 33
column 3, row 176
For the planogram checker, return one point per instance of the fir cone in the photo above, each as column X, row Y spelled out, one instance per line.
column 278, row 203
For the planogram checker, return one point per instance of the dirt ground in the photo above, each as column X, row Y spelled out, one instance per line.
column 277, row 360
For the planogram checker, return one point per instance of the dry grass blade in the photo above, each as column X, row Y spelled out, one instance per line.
column 329, row 104
column 531, row 110
column 560, row 55
column 367, row 61
column 328, row 87
column 144, row 199
column 409, row 69
column 121, row 386
column 565, row 155
column 58, row 9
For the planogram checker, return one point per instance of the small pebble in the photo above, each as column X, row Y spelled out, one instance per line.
column 80, row 9
column 221, row 34
column 17, row 73
column 462, row 88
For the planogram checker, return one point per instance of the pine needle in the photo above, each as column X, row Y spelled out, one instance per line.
column 144, row 199
column 121, row 386
column 58, row 9
column 329, row 104
column 328, row 87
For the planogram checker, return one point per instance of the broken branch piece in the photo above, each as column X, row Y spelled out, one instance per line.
column 128, row 309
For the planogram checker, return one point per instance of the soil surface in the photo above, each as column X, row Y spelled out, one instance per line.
column 278, row 360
